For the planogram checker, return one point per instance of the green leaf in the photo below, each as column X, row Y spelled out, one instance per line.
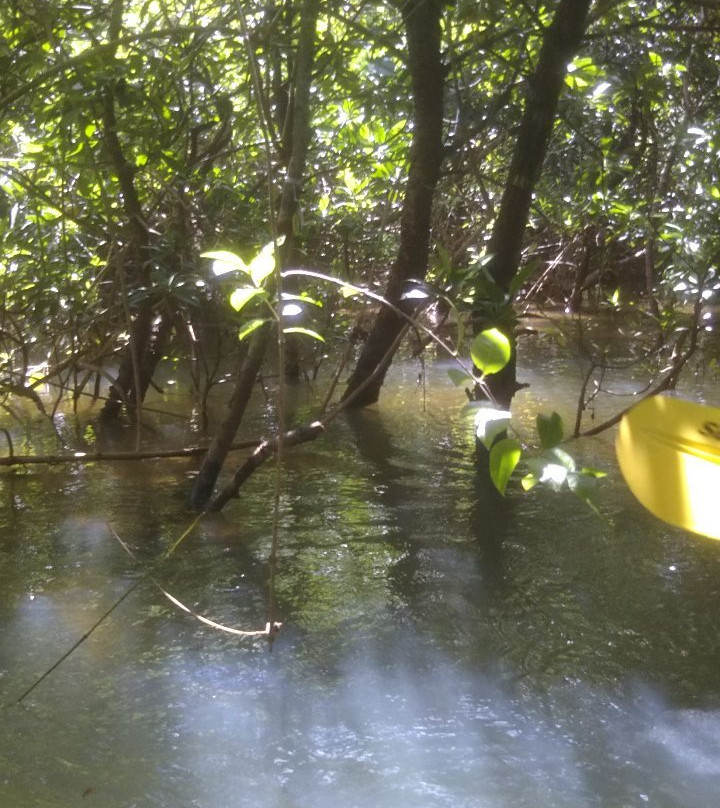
column 562, row 458
column 504, row 456
column 307, row 331
column 598, row 473
column 583, row 486
column 253, row 325
column 523, row 275
column 263, row 265
column 489, row 423
column 225, row 261
column 529, row 481
column 243, row 294
column 550, row 430
column 460, row 377
column 490, row 351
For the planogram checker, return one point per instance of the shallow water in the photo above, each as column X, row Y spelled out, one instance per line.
column 439, row 648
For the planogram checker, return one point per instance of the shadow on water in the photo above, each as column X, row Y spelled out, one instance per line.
column 441, row 647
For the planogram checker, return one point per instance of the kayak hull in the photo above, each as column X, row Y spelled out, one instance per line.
column 669, row 454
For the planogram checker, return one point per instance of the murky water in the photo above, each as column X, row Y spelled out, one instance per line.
column 439, row 648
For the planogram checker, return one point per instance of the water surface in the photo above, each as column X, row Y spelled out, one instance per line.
column 440, row 647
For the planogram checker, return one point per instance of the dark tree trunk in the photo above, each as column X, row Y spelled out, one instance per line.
column 560, row 43
column 260, row 340
column 139, row 358
column 422, row 23
column 217, row 453
column 296, row 141
column 589, row 245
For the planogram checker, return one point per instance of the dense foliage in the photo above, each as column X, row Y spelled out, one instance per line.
column 140, row 136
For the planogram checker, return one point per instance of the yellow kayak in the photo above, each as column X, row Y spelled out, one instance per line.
column 669, row 455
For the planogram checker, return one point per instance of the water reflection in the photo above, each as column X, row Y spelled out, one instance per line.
column 439, row 648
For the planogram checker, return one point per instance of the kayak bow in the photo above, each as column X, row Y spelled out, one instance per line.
column 669, row 455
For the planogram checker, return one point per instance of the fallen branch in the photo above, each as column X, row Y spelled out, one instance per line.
column 265, row 450
column 270, row 628
column 301, row 434
column 97, row 457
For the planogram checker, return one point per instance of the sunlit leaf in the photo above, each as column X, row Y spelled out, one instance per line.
column 243, row 295
column 490, row 351
column 263, row 265
column 504, row 457
column 253, row 325
column 307, row 331
column 225, row 262
column 489, row 423
column 303, row 298
column 597, row 473
column 561, row 457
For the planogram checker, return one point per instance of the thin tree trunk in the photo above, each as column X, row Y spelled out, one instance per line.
column 136, row 363
column 422, row 24
column 260, row 340
column 220, row 447
column 560, row 43
column 298, row 142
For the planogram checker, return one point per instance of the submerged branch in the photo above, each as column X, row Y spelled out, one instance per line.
column 96, row 457
column 302, row 434
column 271, row 628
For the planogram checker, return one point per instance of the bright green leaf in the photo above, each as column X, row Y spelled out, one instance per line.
column 307, row 331
column 504, row 456
column 243, row 294
column 263, row 265
column 598, row 473
column 490, row 351
column 253, row 325
column 225, row 261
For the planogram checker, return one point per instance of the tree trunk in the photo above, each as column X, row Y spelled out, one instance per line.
column 217, row 453
column 560, row 43
column 422, row 24
column 138, row 359
column 260, row 340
